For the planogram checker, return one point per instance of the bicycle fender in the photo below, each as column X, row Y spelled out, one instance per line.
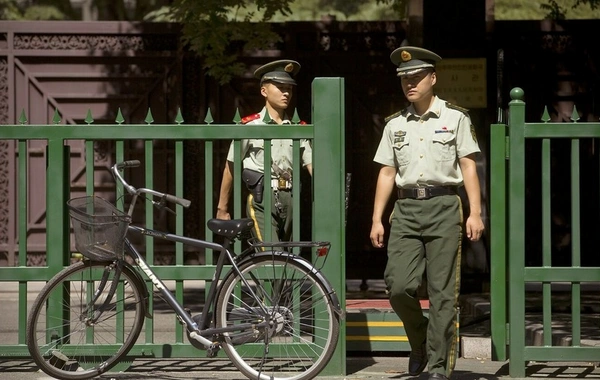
column 137, row 277
column 333, row 298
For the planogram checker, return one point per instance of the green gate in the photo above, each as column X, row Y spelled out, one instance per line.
column 509, row 273
column 328, row 198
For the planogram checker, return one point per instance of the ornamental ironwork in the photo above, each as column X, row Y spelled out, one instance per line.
column 95, row 42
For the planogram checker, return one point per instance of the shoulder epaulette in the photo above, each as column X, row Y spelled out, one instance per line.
column 249, row 118
column 455, row 107
column 387, row 119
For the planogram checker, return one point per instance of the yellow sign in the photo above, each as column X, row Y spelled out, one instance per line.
column 462, row 81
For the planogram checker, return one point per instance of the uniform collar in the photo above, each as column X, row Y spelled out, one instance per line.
column 435, row 110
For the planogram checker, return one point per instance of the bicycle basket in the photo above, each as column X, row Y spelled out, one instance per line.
column 99, row 227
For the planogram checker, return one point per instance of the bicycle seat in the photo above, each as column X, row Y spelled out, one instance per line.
column 230, row 228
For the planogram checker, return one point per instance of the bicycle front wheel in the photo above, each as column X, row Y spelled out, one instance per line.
column 302, row 329
column 78, row 327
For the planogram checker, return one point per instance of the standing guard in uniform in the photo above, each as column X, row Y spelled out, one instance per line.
column 426, row 151
column 276, row 85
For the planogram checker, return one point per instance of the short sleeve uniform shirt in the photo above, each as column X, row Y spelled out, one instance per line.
column 281, row 151
column 425, row 149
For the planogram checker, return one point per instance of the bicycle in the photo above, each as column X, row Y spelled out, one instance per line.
column 273, row 313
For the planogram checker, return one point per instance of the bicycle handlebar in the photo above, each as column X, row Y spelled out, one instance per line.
column 116, row 168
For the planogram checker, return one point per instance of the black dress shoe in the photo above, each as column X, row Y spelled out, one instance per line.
column 437, row 376
column 417, row 360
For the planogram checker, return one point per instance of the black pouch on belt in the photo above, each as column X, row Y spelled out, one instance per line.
column 254, row 182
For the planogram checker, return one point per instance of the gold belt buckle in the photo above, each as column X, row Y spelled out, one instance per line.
column 281, row 183
column 421, row 193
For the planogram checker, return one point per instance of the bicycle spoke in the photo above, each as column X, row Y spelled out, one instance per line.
column 299, row 341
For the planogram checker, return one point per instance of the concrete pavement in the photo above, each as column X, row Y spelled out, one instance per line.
column 358, row 368
column 373, row 366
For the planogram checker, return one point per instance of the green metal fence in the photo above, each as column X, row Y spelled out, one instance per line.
column 328, row 199
column 510, row 274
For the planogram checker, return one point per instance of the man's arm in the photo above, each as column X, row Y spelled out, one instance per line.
column 309, row 168
column 225, row 192
column 474, row 226
column 385, row 185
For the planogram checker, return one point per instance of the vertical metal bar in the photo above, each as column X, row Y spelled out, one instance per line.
column 119, row 157
column 149, row 183
column 89, row 167
column 329, row 193
column 208, row 185
column 498, row 240
column 57, row 252
column 237, row 177
column 516, row 192
column 22, row 199
column 119, row 189
column 179, row 259
column 576, row 240
column 89, row 190
column 268, row 192
column 546, row 240
column 296, row 187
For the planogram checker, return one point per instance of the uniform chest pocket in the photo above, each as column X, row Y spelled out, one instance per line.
column 256, row 151
column 402, row 151
column 444, row 146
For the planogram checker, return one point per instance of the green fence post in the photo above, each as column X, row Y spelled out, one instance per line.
column 498, row 202
column 328, row 207
column 57, row 232
column 516, row 238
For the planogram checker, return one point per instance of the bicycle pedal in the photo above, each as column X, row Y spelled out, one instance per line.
column 213, row 350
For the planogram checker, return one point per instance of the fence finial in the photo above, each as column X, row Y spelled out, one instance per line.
column 89, row 119
column 237, row 118
column 267, row 119
column 575, row 115
column 56, row 117
column 208, row 119
column 546, row 115
column 149, row 119
column 120, row 119
column 517, row 93
column 296, row 117
column 179, row 117
column 23, row 118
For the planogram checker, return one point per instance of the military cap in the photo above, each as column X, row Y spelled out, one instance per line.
column 281, row 71
column 411, row 60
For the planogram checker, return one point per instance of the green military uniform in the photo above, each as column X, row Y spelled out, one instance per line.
column 426, row 230
column 280, row 183
column 282, row 158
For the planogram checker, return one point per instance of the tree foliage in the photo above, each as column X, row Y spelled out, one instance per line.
column 216, row 31
column 219, row 31
column 557, row 10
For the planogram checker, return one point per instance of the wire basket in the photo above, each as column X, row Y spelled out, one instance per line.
column 99, row 228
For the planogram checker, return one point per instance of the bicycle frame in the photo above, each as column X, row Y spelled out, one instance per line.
column 197, row 332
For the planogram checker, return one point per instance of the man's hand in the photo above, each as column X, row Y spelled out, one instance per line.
column 385, row 185
column 474, row 227
column 377, row 232
column 223, row 214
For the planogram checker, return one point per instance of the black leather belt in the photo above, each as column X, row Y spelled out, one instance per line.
column 426, row 192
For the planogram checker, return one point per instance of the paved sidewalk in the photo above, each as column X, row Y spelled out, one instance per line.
column 358, row 368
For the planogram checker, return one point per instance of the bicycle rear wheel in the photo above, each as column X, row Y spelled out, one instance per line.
column 76, row 329
column 303, row 326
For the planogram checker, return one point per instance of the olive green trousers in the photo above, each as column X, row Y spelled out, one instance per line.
column 281, row 216
column 425, row 238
